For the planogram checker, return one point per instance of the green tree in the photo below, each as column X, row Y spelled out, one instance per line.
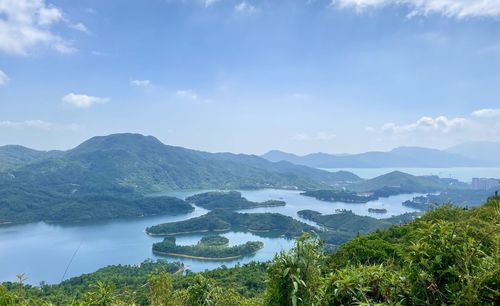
column 294, row 278
column 160, row 289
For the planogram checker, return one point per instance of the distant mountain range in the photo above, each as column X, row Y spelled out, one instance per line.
column 465, row 155
column 144, row 164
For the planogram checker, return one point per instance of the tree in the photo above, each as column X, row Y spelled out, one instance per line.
column 294, row 278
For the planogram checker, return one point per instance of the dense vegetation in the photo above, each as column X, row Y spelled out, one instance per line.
column 449, row 256
column 347, row 196
column 345, row 225
column 19, row 204
column 228, row 200
column 407, row 183
column 12, row 156
column 144, row 164
column 214, row 240
column 212, row 248
column 222, row 220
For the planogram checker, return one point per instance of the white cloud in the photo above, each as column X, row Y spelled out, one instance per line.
column 25, row 24
column 427, row 124
column 187, row 94
column 141, row 83
column 82, row 101
column 245, row 7
column 36, row 124
column 4, row 79
column 487, row 113
column 79, row 27
column 442, row 131
column 449, row 8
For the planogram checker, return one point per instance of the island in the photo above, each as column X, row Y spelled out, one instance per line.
column 263, row 224
column 208, row 248
column 461, row 198
column 345, row 225
column 232, row 200
column 377, row 210
column 347, row 196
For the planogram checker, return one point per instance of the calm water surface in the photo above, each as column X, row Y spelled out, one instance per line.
column 42, row 251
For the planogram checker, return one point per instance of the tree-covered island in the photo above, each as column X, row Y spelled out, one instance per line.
column 266, row 224
column 232, row 200
column 208, row 248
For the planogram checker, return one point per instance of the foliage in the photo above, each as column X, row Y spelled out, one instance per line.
column 209, row 249
column 345, row 225
column 19, row 204
column 228, row 200
column 214, row 240
column 268, row 224
column 295, row 277
column 143, row 164
column 347, row 196
column 406, row 183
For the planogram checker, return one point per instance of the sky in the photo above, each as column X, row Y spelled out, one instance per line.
column 248, row 76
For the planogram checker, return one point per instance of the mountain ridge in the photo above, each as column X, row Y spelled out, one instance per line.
column 145, row 164
column 397, row 157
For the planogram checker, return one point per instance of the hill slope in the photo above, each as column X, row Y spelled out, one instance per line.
column 407, row 183
column 144, row 164
column 13, row 156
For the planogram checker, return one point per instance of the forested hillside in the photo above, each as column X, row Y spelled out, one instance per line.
column 102, row 177
column 449, row 256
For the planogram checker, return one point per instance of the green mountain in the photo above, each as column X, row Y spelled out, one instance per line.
column 407, row 183
column 143, row 164
column 13, row 156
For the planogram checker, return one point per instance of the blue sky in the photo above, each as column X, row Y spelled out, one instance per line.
column 250, row 76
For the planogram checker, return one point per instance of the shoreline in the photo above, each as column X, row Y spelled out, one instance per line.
column 198, row 257
column 187, row 233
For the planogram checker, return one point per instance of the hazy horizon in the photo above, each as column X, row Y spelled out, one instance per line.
column 250, row 76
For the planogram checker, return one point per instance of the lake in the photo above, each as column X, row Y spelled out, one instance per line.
column 42, row 251
column 464, row 174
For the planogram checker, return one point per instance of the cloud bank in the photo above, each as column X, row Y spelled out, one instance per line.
column 479, row 125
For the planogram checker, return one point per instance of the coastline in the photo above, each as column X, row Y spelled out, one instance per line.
column 197, row 257
column 187, row 233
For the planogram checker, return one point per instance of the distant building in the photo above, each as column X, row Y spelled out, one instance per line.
column 485, row 183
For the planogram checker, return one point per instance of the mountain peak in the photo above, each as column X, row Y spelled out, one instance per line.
column 129, row 141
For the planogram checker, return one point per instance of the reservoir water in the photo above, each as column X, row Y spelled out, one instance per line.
column 43, row 251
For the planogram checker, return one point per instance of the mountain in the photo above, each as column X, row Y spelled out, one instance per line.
column 488, row 152
column 13, row 156
column 407, row 183
column 143, row 164
column 398, row 157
